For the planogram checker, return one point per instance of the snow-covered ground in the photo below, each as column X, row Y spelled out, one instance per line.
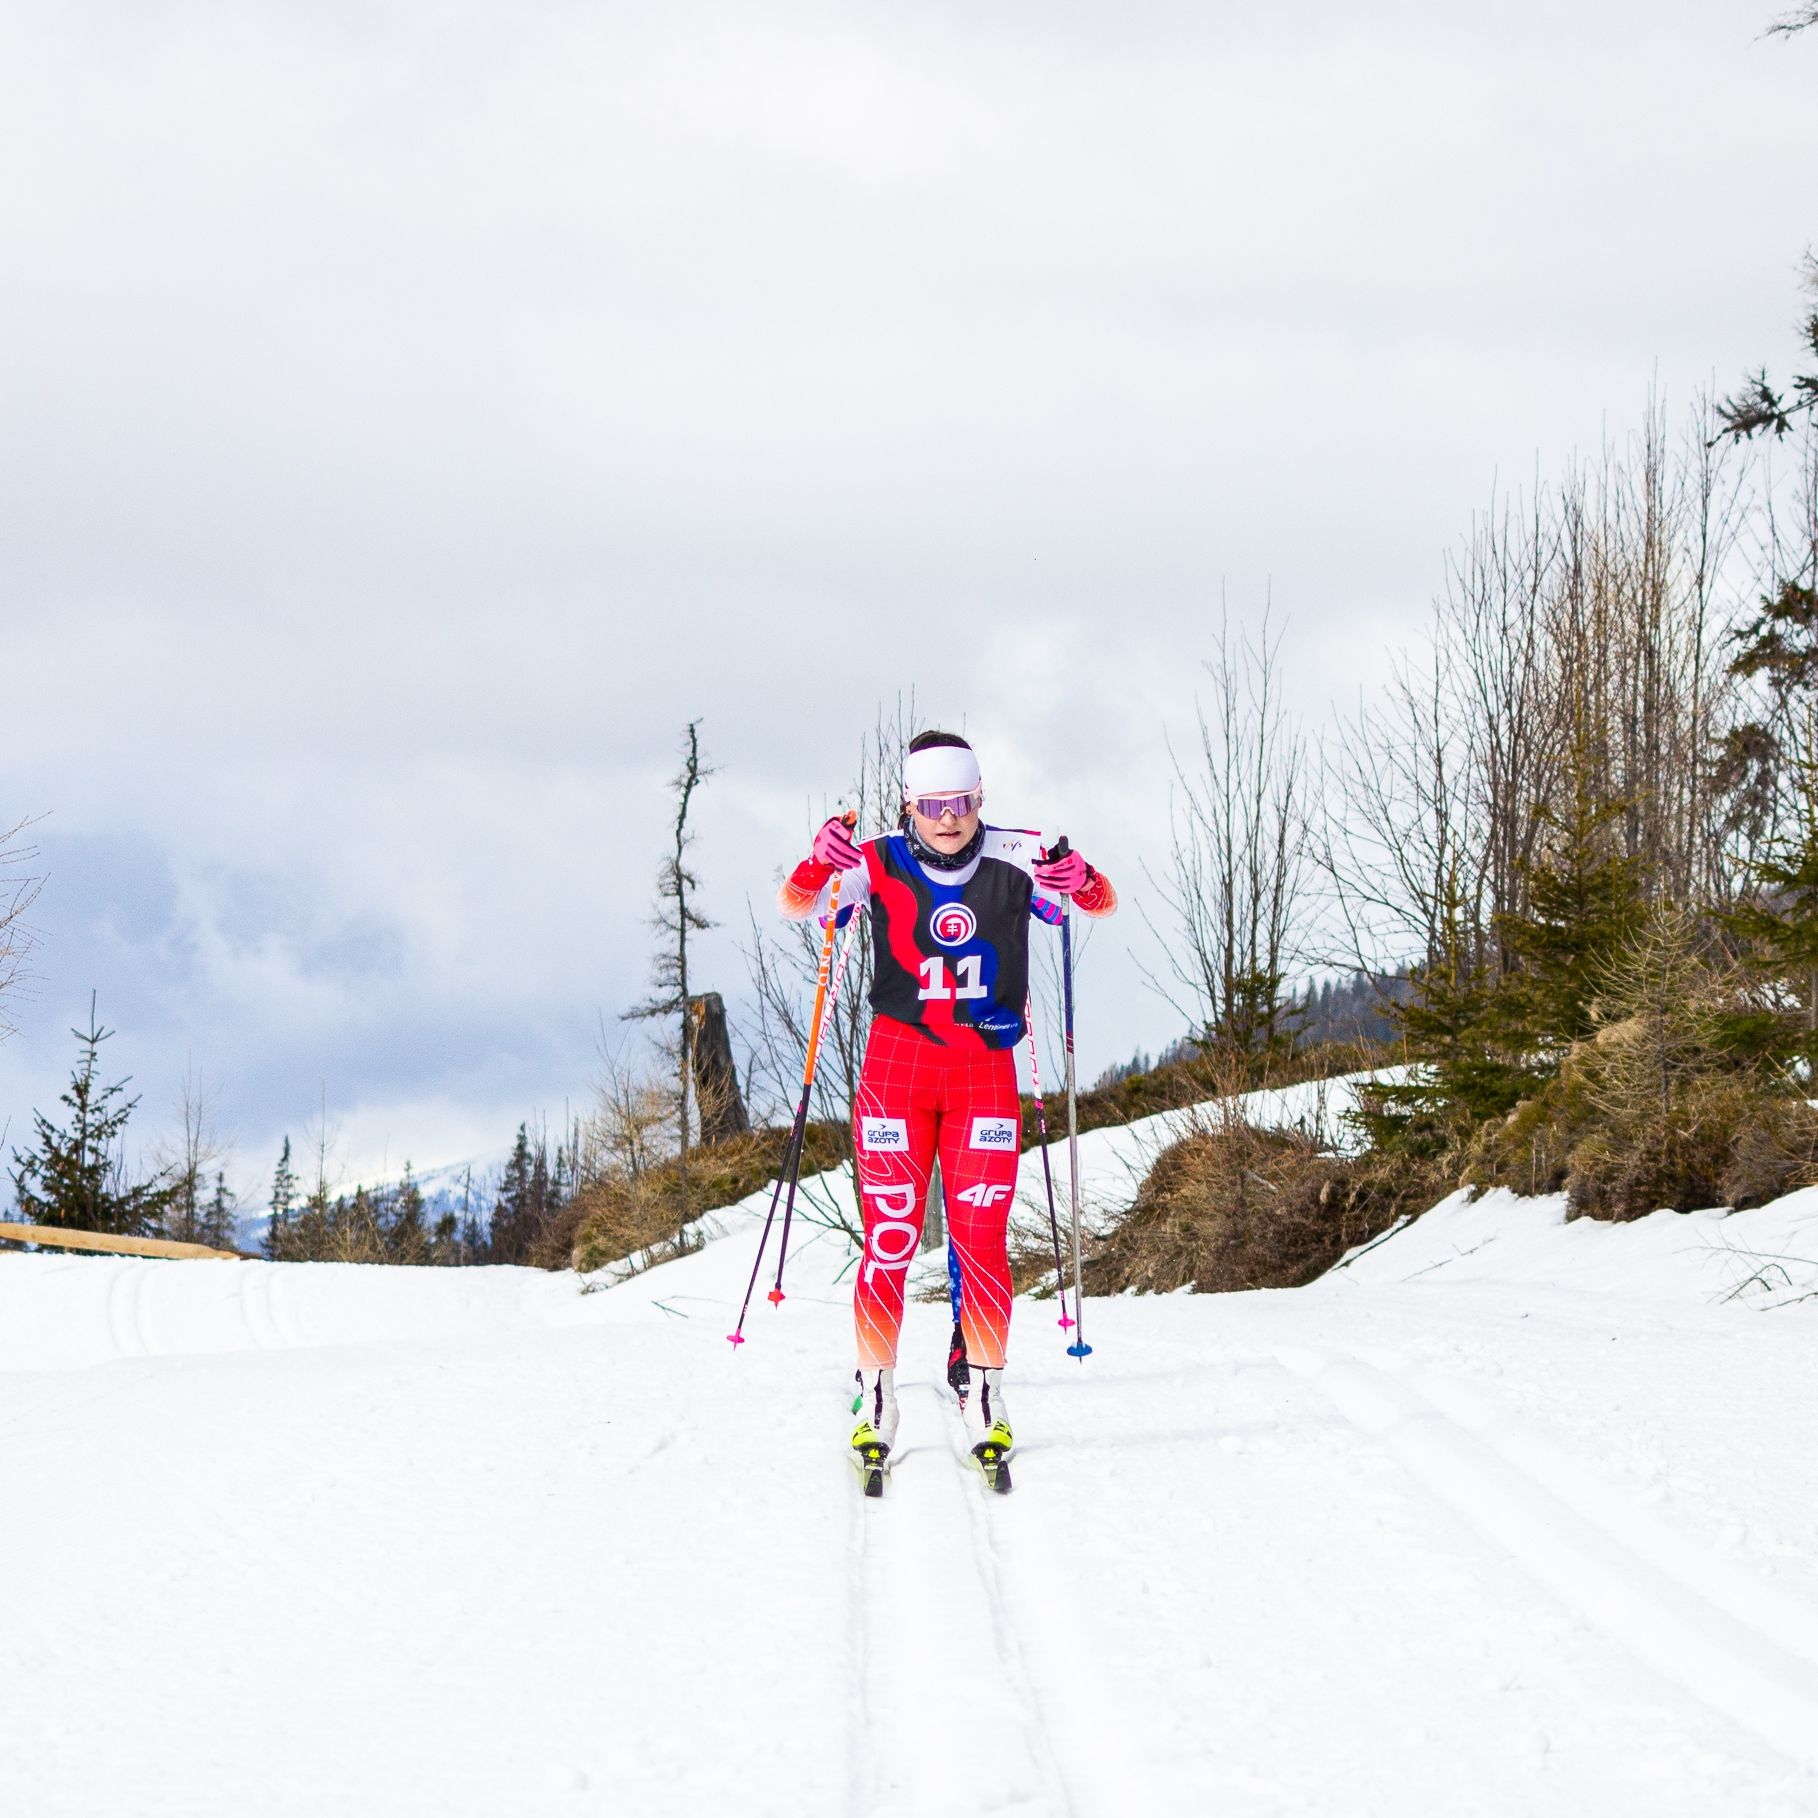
column 1505, row 1516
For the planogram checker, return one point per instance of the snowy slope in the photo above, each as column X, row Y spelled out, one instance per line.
column 1473, row 1525
column 1767, row 1257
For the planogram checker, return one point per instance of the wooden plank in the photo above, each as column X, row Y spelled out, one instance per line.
column 107, row 1240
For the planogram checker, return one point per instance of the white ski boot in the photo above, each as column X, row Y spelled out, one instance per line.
column 874, row 1417
column 987, row 1418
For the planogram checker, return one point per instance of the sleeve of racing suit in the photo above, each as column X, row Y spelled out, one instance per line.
column 805, row 890
column 1095, row 897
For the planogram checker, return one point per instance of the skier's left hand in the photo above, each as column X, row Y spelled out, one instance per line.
column 1063, row 873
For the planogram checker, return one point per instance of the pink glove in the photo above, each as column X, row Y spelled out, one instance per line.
column 1062, row 875
column 833, row 845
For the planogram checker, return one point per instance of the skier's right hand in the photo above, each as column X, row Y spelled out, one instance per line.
column 833, row 845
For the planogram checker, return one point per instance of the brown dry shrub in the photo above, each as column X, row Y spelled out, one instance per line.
column 1774, row 1151
column 623, row 1213
column 1233, row 1207
column 1737, row 1141
column 1662, row 1107
column 1721, row 1136
column 1625, row 1168
column 616, row 1218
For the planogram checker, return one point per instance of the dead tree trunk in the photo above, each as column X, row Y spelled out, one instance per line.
column 719, row 1105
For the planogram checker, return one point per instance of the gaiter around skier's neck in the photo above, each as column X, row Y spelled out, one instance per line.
column 932, row 856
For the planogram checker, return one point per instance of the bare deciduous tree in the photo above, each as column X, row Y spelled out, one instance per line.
column 784, row 964
column 1577, row 654
column 19, row 887
column 1240, row 854
column 675, row 919
column 194, row 1164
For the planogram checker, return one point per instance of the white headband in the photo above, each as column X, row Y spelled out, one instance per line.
column 940, row 770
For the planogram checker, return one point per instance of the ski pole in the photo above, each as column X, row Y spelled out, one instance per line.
column 1041, row 1126
column 1079, row 1348
column 792, row 1149
column 790, row 1170
column 828, row 993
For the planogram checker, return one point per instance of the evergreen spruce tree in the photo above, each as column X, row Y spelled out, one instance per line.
column 1780, row 650
column 1485, row 1036
column 1783, row 924
column 185, row 1217
column 75, row 1176
column 217, row 1223
column 406, row 1237
column 445, row 1241
column 283, row 1203
column 473, row 1240
column 1586, row 903
column 511, row 1210
column 312, row 1232
column 1462, row 1071
column 1760, row 405
column 540, row 1209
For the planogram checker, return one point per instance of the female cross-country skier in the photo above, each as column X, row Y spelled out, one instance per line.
column 950, row 901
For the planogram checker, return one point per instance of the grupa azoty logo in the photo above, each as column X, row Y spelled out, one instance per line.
column 953, row 924
column 883, row 1133
column 996, row 1133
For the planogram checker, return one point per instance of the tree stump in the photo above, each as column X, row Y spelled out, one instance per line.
column 719, row 1103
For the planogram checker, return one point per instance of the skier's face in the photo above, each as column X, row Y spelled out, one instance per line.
column 951, row 831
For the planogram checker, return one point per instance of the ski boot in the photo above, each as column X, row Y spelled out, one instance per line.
column 959, row 1372
column 874, row 1430
column 988, row 1430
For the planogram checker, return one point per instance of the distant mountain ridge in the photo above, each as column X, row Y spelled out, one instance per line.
column 462, row 1188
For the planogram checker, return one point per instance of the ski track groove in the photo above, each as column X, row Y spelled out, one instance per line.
column 1728, row 1641
column 1037, row 1735
column 861, row 1776
column 284, row 1311
column 881, row 1758
column 257, row 1312
column 124, row 1325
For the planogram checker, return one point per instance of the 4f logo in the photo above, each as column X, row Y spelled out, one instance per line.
column 986, row 1193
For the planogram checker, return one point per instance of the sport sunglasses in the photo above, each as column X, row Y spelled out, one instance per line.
column 932, row 807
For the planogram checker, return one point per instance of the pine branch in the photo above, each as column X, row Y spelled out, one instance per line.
column 1800, row 19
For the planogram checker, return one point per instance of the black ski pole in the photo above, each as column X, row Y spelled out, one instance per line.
column 1041, row 1128
column 792, row 1150
column 1079, row 1348
column 826, row 994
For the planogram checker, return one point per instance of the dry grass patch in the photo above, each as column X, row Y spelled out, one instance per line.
column 1233, row 1207
column 624, row 1213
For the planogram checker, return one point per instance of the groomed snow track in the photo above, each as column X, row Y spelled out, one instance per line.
column 285, row 1540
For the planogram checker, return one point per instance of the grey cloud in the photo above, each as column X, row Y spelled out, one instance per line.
column 412, row 415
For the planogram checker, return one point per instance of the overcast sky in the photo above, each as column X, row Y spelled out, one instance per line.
column 412, row 415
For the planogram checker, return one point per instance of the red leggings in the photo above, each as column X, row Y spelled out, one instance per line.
column 917, row 1098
